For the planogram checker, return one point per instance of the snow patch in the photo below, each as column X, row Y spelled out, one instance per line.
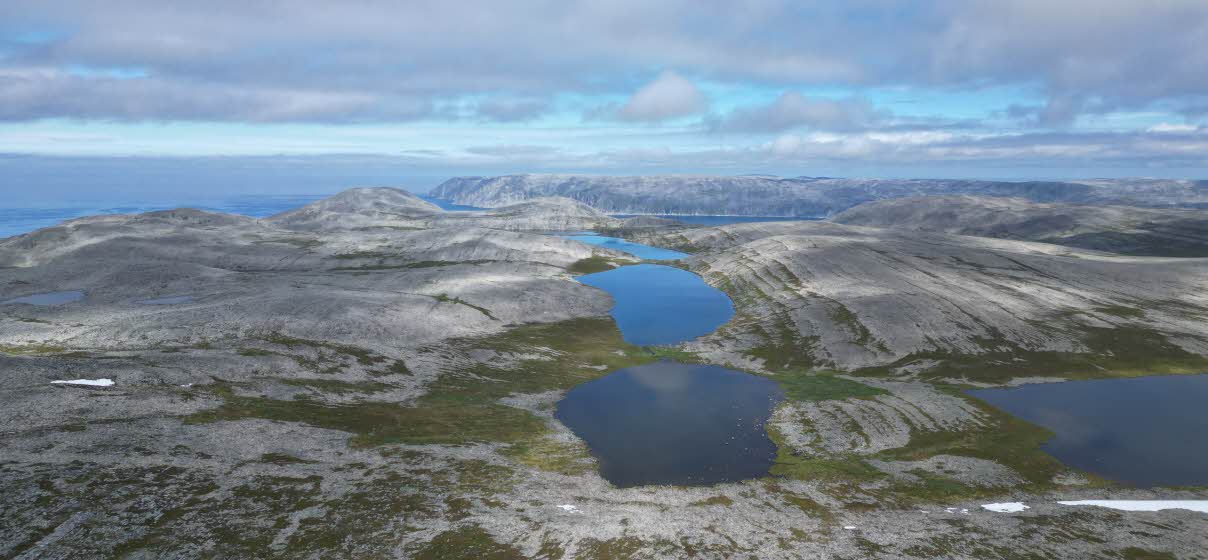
column 1006, row 507
column 568, row 508
column 86, row 382
column 1143, row 505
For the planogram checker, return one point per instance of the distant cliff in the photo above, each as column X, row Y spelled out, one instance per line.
column 763, row 195
column 388, row 207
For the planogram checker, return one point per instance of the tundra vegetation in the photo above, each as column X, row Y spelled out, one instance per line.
column 372, row 377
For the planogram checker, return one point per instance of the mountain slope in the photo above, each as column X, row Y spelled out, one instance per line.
column 1116, row 229
column 830, row 296
column 762, row 195
column 359, row 207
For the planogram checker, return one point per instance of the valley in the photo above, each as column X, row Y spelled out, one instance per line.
column 371, row 375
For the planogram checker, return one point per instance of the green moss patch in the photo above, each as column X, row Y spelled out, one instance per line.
column 470, row 543
column 808, row 387
column 590, row 265
column 459, row 407
column 1122, row 351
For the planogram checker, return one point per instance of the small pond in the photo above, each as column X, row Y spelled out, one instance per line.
column 1144, row 431
column 668, row 423
column 49, row 298
column 636, row 249
column 658, row 304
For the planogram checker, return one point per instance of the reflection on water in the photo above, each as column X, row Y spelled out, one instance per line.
column 672, row 423
column 1147, row 431
column 658, row 304
column 636, row 249
column 49, row 298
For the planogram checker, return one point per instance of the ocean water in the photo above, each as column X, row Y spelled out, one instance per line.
column 450, row 205
column 15, row 220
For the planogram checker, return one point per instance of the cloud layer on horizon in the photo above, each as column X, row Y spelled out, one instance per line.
column 756, row 78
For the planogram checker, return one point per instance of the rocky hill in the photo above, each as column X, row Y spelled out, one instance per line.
column 359, row 207
column 373, row 378
column 762, row 195
column 1116, row 229
column 539, row 214
column 393, row 208
column 825, row 295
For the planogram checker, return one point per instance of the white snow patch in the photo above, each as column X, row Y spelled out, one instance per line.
column 568, row 507
column 1143, row 505
column 1006, row 507
column 88, row 382
column 850, row 527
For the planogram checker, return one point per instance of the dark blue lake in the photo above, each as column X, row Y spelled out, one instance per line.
column 658, row 304
column 668, row 423
column 636, row 249
column 1145, row 431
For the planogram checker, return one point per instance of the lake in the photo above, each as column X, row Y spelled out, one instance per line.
column 658, row 304
column 1145, row 431
column 49, row 298
column 718, row 220
column 636, row 249
column 668, row 423
column 672, row 423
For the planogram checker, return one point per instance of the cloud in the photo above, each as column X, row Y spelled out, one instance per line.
column 794, row 110
column 669, row 96
column 368, row 60
column 50, row 93
column 511, row 109
column 513, row 151
column 1172, row 128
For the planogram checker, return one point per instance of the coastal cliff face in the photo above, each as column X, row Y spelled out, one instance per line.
column 761, row 195
column 1115, row 229
column 372, row 377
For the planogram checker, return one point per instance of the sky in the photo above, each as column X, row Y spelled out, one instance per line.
column 163, row 96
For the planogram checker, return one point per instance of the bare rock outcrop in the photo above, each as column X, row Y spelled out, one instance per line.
column 1116, row 229
column 817, row 294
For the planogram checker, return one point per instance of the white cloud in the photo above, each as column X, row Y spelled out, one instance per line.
column 794, row 110
column 667, row 97
column 1169, row 127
